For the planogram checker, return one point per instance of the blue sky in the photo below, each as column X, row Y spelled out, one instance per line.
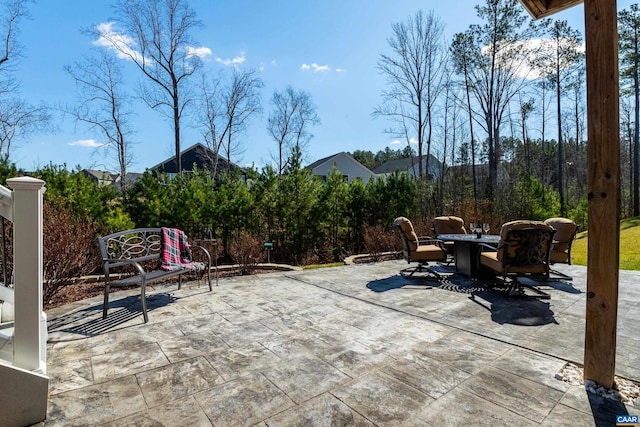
column 343, row 38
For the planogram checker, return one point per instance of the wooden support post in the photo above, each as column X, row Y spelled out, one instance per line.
column 601, row 35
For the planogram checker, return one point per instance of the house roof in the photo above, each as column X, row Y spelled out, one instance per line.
column 542, row 8
column 99, row 175
column 325, row 160
column 402, row 165
column 197, row 154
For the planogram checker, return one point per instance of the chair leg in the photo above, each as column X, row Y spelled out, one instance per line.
column 516, row 289
column 420, row 268
column 105, row 303
column 143, row 301
column 555, row 274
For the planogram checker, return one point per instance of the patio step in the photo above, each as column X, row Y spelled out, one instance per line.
column 6, row 304
column 23, row 396
column 6, row 342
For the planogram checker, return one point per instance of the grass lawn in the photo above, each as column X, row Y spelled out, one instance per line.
column 629, row 247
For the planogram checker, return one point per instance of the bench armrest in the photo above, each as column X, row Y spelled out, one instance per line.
column 206, row 252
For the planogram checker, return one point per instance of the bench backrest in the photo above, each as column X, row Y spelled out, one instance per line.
column 140, row 244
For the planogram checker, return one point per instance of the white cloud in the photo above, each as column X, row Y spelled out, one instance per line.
column 398, row 142
column 91, row 143
column 339, row 70
column 200, row 52
column 519, row 56
column 315, row 67
column 233, row 61
column 119, row 42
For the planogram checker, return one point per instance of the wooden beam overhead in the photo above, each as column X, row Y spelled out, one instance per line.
column 542, row 8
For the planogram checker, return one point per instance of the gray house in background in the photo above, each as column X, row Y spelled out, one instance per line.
column 410, row 165
column 106, row 178
column 199, row 156
column 350, row 168
column 101, row 177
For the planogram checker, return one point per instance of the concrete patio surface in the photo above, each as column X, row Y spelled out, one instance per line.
column 357, row 345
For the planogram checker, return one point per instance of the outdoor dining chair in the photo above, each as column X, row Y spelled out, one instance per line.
column 420, row 250
column 566, row 231
column 448, row 225
column 523, row 250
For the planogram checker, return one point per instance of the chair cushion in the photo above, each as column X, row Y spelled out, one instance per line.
column 409, row 232
column 516, row 225
column 490, row 260
column 565, row 231
column 428, row 253
column 558, row 256
column 449, row 225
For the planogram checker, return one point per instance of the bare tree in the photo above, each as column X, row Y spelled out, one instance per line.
column 210, row 117
column 15, row 11
column 156, row 37
column 103, row 104
column 242, row 101
column 415, row 73
column 18, row 119
column 495, row 57
column 462, row 57
column 225, row 110
column 289, row 122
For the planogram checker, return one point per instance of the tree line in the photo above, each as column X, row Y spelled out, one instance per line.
column 307, row 218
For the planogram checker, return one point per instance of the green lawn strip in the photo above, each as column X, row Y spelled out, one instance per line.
column 629, row 248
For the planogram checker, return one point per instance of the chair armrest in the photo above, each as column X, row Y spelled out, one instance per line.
column 428, row 240
column 490, row 247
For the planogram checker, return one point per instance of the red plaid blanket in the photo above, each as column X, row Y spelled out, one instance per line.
column 176, row 253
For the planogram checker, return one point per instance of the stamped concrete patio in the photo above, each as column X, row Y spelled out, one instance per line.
column 355, row 345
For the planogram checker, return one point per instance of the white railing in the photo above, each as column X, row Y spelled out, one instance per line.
column 27, row 343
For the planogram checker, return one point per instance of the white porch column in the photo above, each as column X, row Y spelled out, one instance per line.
column 30, row 336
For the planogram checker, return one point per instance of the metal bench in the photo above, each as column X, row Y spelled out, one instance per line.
column 133, row 248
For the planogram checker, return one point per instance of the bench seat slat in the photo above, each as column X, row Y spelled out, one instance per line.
column 150, row 276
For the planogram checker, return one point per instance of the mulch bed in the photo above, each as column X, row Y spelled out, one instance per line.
column 80, row 291
column 382, row 257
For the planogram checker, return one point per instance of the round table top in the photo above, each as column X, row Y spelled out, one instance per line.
column 471, row 238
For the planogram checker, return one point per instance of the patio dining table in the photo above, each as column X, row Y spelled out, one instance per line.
column 466, row 251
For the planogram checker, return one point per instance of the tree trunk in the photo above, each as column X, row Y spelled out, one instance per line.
column 473, row 144
column 636, row 136
column 560, row 148
column 176, row 128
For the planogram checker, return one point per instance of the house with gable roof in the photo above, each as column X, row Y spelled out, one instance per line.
column 350, row 168
column 199, row 156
